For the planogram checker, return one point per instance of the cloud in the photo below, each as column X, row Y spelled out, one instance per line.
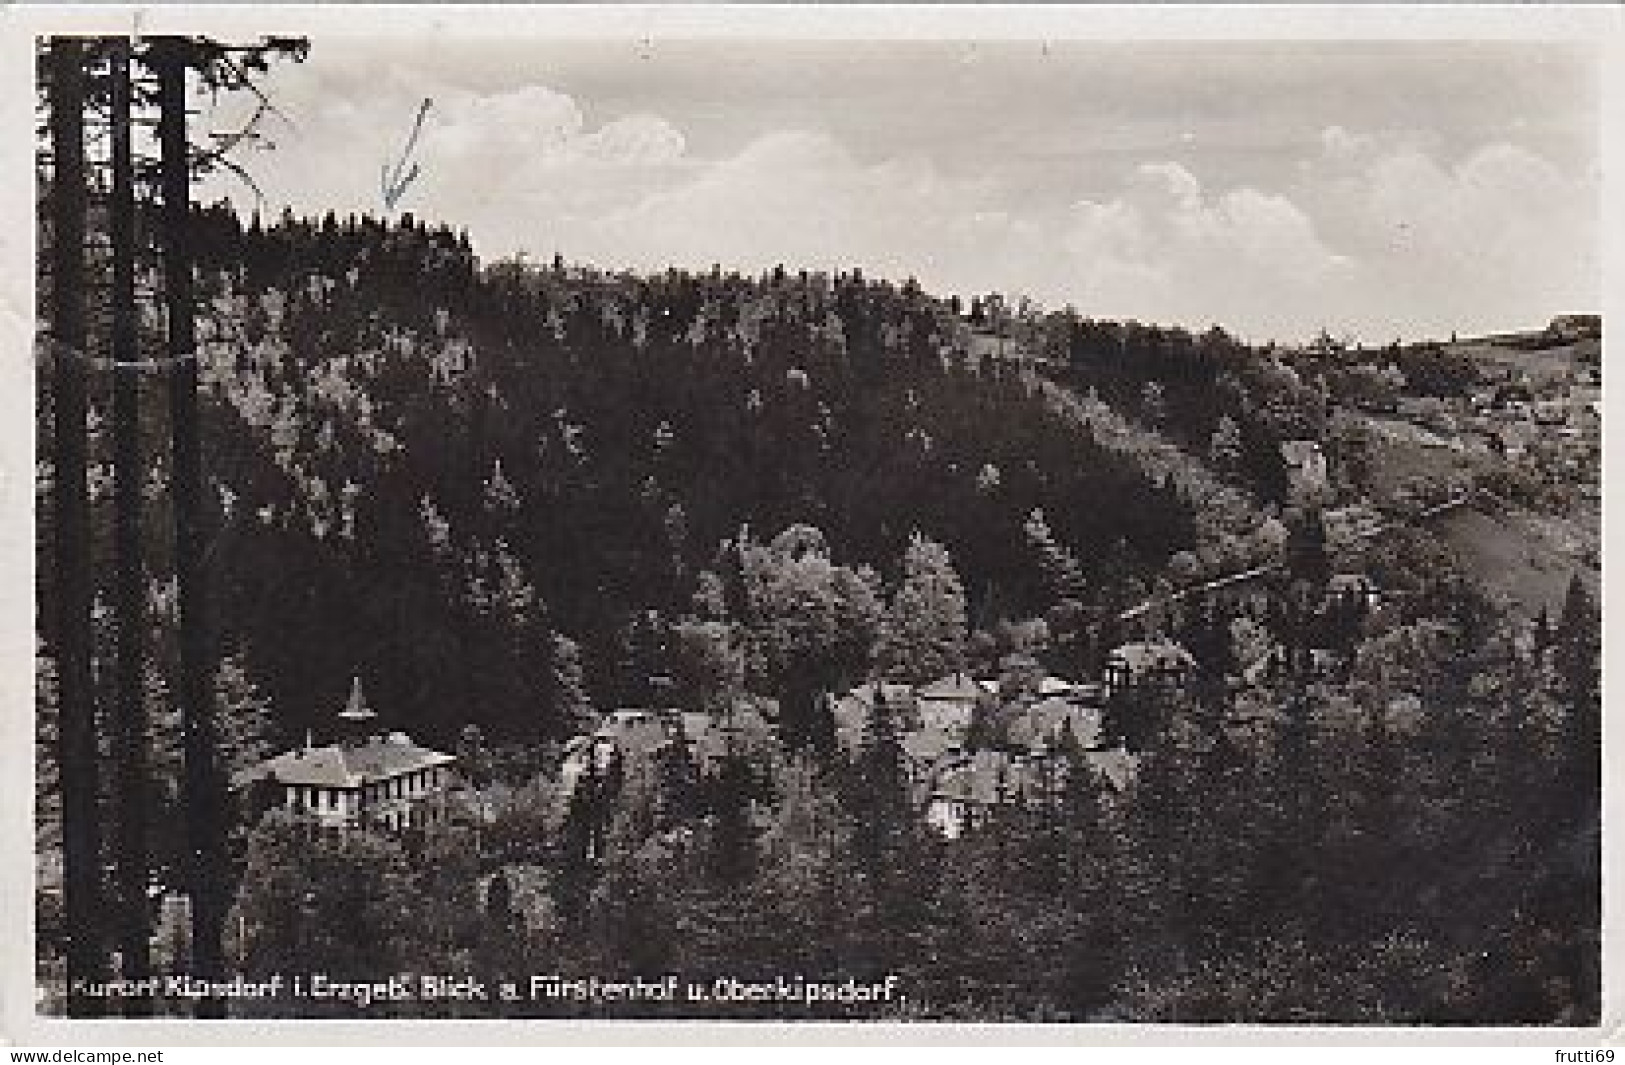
column 1377, row 232
column 1339, row 142
column 1500, row 237
column 1164, row 249
column 1375, row 237
column 499, row 162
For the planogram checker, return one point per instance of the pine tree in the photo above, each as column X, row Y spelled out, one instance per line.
column 501, row 499
column 587, row 813
column 883, row 794
column 1093, row 952
column 1576, row 663
column 1153, row 405
column 132, row 755
column 677, row 779
column 1306, row 556
column 1224, row 448
column 732, row 851
column 1062, row 574
column 503, row 933
column 572, row 706
column 76, row 730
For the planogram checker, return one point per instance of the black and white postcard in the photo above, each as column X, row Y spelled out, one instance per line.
column 790, row 515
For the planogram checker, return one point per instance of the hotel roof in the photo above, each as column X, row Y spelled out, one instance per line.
column 346, row 765
column 336, row 766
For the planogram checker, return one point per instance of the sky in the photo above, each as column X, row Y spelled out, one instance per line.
column 1381, row 190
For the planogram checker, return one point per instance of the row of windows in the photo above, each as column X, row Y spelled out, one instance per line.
column 343, row 801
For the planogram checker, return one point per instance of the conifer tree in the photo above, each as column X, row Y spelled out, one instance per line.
column 1576, row 662
column 1062, row 574
column 732, row 852
column 76, row 729
column 1224, row 448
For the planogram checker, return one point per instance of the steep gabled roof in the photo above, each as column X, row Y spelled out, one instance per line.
column 1117, row 766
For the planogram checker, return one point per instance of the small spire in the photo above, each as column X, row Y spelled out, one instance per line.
column 356, row 708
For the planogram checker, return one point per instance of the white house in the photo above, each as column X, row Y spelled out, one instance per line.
column 1159, row 661
column 366, row 777
column 948, row 704
column 966, row 788
column 1308, row 476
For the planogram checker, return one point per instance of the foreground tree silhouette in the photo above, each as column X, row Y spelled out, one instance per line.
column 76, row 758
column 71, row 78
column 129, row 602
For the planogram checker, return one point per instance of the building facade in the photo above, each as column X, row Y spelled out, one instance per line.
column 365, row 777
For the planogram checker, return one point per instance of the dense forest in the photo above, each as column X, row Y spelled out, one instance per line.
column 512, row 496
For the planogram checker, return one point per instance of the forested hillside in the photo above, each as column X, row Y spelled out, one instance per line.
column 511, row 497
column 392, row 425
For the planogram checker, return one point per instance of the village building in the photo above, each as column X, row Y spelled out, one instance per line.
column 1046, row 686
column 1308, row 476
column 927, row 748
column 1356, row 587
column 965, row 790
column 621, row 735
column 1574, row 327
column 628, row 737
column 1160, row 662
column 852, row 711
column 365, row 777
column 1046, row 726
column 949, row 703
column 1349, row 525
column 1051, row 687
column 1512, row 395
column 1511, row 438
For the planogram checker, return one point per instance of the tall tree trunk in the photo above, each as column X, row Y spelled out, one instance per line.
column 203, row 787
column 130, row 751
column 76, row 754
